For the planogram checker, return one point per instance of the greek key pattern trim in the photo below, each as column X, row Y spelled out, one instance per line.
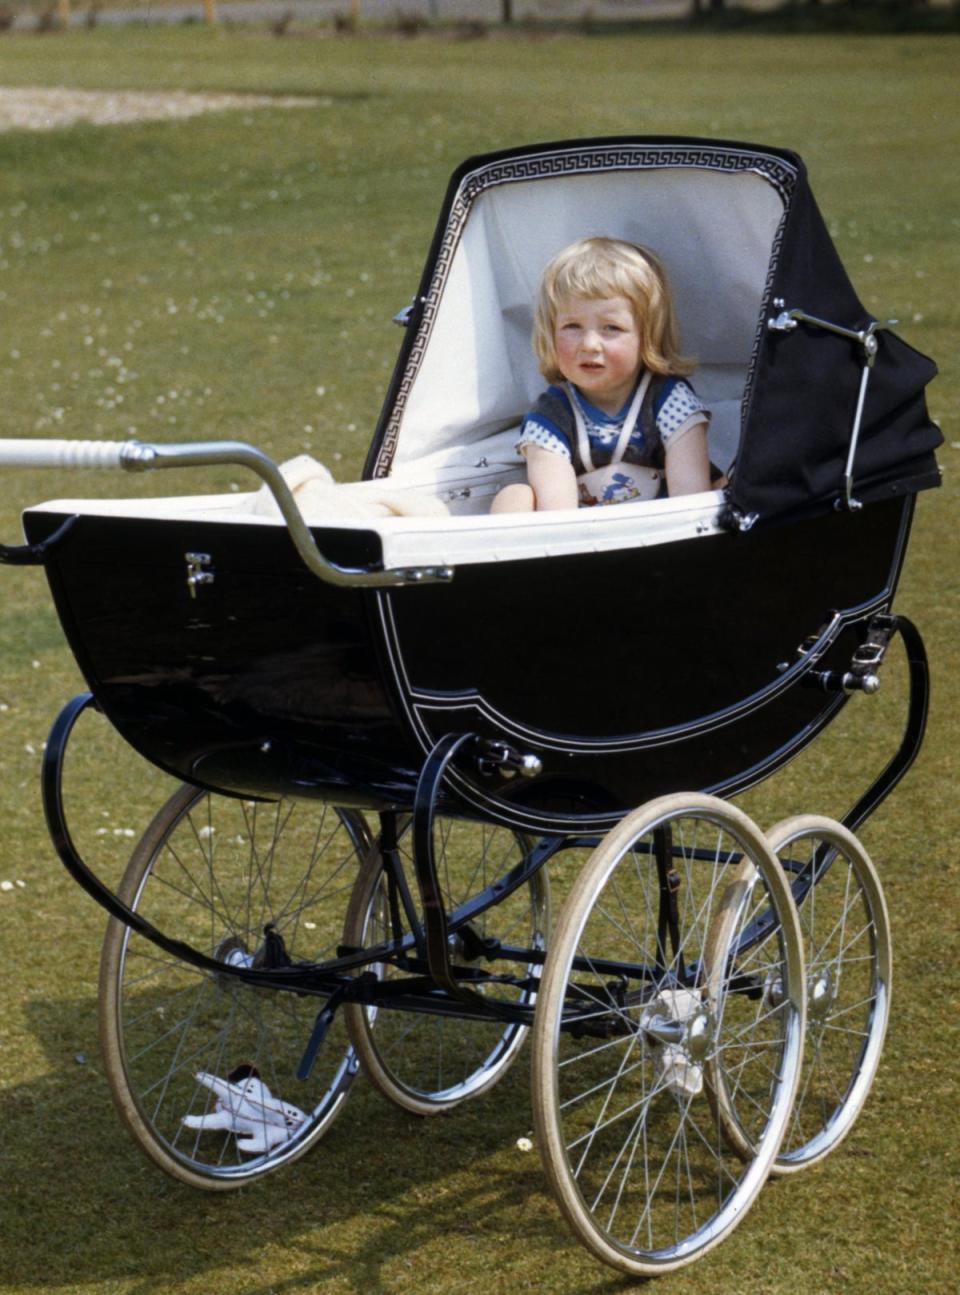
column 541, row 166
column 761, row 332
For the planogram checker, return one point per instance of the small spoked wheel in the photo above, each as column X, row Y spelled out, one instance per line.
column 846, row 933
column 202, row 1067
column 424, row 1062
column 643, row 1007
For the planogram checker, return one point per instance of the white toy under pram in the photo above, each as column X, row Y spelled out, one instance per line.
column 245, row 1106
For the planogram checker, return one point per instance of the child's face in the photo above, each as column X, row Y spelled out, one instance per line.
column 598, row 348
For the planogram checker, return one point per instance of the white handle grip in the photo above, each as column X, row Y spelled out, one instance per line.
column 138, row 457
column 60, row 454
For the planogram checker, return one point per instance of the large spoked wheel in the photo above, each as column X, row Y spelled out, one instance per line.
column 637, row 1012
column 849, row 964
column 203, row 1068
column 429, row 1063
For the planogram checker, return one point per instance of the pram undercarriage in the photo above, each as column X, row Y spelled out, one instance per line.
column 382, row 767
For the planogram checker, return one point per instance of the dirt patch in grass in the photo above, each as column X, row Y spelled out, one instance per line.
column 28, row 108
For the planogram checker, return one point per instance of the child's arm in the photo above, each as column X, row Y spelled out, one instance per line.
column 687, row 462
column 552, row 479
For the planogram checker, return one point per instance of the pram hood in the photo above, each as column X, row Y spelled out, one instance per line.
column 743, row 240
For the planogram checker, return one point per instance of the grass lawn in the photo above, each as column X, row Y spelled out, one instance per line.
column 234, row 276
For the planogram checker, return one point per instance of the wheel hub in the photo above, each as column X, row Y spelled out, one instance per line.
column 699, row 1036
column 773, row 995
column 821, row 996
column 682, row 1032
column 232, row 951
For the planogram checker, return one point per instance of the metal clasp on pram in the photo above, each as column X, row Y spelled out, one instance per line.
column 495, row 756
column 786, row 321
column 863, row 674
column 196, row 572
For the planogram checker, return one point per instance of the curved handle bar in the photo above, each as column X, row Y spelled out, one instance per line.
column 138, row 456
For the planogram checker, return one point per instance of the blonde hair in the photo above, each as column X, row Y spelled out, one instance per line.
column 597, row 268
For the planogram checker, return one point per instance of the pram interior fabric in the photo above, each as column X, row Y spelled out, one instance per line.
column 479, row 375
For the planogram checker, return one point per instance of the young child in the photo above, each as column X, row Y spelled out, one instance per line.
column 618, row 421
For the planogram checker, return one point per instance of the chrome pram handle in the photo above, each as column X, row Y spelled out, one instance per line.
column 140, row 456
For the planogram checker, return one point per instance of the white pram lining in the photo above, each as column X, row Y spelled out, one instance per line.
column 471, row 374
column 417, row 530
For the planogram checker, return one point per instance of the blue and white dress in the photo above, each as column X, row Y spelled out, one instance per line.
column 660, row 411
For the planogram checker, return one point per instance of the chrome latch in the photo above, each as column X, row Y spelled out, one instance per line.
column 863, row 675
column 422, row 575
column 404, row 317
column 498, row 757
column 196, row 575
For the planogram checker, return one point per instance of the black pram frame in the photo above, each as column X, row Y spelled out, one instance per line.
column 408, row 672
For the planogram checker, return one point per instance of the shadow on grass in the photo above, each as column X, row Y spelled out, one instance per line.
column 81, row 1207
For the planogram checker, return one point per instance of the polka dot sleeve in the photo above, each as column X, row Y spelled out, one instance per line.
column 682, row 410
column 538, row 432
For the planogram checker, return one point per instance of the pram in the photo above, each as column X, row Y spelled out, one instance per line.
column 385, row 729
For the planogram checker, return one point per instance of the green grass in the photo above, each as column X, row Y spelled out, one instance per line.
column 217, row 274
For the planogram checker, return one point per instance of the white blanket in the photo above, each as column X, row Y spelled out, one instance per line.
column 321, row 499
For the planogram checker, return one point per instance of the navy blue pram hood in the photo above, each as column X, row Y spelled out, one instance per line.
column 801, row 401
